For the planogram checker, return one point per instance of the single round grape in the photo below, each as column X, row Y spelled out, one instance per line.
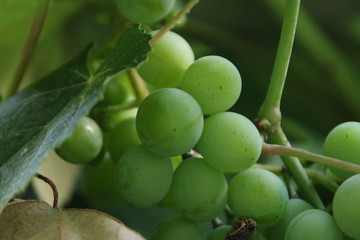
column 199, row 190
column 84, row 143
column 179, row 228
column 99, row 186
column 166, row 64
column 109, row 120
column 343, row 143
column 346, row 206
column 118, row 90
column 219, row 233
column 142, row 177
column 313, row 224
column 123, row 137
column 169, row 122
column 230, row 142
column 259, row 195
column 293, row 208
column 145, row 11
column 214, row 82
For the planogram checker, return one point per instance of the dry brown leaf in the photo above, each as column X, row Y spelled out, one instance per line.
column 37, row 220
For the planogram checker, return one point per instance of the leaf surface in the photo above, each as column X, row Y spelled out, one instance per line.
column 28, row 220
column 37, row 119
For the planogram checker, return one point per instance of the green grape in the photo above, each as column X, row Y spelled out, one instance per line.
column 219, row 233
column 145, row 11
column 313, row 224
column 84, row 143
column 199, row 190
column 142, row 177
column 214, row 82
column 109, row 120
column 343, row 143
column 230, row 142
column 179, row 228
column 259, row 195
column 169, row 122
column 346, row 206
column 166, row 64
column 122, row 138
column 118, row 90
column 293, row 208
column 99, row 185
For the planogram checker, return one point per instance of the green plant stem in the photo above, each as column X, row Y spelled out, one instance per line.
column 274, row 149
column 270, row 115
column 169, row 25
column 325, row 52
column 314, row 175
column 29, row 47
column 322, row 179
column 296, row 169
column 270, row 109
column 138, row 84
column 289, row 184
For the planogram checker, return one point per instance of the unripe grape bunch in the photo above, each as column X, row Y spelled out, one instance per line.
column 169, row 137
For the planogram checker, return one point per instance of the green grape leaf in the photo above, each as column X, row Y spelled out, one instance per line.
column 37, row 119
column 38, row 220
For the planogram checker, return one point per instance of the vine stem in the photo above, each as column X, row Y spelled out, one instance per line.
column 53, row 187
column 169, row 25
column 275, row 149
column 270, row 114
column 270, row 109
column 29, row 46
column 327, row 54
column 314, row 175
column 138, row 84
column 297, row 171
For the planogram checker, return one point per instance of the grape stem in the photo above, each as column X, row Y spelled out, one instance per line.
column 29, row 47
column 270, row 109
column 53, row 187
column 314, row 175
column 270, row 115
column 327, row 54
column 169, row 25
column 289, row 184
column 275, row 149
column 138, row 84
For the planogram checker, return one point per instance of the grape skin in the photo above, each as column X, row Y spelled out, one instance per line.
column 199, row 190
column 178, row 228
column 346, row 206
column 169, row 122
column 343, row 143
column 214, row 82
column 123, row 137
column 230, row 142
column 99, row 185
column 166, row 64
column 84, row 143
column 313, row 224
column 142, row 177
column 145, row 11
column 258, row 194
column 294, row 207
column 219, row 233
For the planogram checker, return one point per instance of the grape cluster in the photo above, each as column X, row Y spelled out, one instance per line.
column 142, row 153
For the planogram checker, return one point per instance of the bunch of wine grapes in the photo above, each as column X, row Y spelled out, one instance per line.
column 179, row 145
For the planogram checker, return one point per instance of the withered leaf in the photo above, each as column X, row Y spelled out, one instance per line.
column 33, row 219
